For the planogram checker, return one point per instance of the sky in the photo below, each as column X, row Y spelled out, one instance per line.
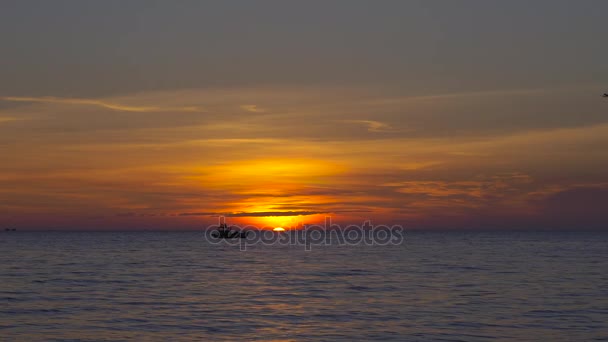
column 428, row 114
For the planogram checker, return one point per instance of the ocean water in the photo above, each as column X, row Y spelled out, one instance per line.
column 177, row 286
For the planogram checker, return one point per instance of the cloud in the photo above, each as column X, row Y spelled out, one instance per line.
column 252, row 108
column 372, row 126
column 469, row 94
column 259, row 214
column 277, row 213
column 8, row 119
column 99, row 103
column 132, row 214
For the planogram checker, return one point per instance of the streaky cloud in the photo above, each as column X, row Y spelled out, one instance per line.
column 275, row 213
column 372, row 126
column 475, row 94
column 99, row 103
column 252, row 108
column 8, row 119
column 259, row 214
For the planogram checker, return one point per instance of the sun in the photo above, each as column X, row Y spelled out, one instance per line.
column 279, row 229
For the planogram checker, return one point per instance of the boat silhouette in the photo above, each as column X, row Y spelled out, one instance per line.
column 224, row 232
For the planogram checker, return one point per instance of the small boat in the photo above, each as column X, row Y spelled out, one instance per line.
column 224, row 232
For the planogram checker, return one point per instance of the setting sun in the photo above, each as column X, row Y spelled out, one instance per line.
column 279, row 229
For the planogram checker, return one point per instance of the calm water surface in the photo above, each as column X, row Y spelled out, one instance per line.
column 176, row 286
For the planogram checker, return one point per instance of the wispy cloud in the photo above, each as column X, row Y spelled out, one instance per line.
column 259, row 214
column 465, row 94
column 8, row 119
column 252, row 108
column 276, row 213
column 99, row 103
column 372, row 126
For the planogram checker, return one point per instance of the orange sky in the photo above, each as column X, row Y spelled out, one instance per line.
column 278, row 157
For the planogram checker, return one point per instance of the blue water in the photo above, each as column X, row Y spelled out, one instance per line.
column 177, row 286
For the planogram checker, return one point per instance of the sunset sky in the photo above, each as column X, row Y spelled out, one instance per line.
column 430, row 114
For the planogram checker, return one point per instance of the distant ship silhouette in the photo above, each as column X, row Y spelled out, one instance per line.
column 224, row 232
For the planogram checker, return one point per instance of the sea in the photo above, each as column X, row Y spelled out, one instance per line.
column 178, row 286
